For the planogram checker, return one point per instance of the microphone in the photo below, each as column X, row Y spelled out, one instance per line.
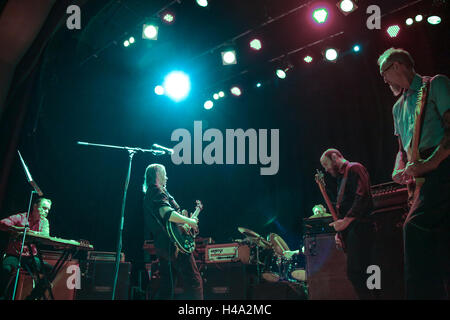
column 167, row 150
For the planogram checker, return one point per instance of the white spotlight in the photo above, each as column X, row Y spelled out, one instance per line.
column 177, row 85
column 208, row 105
column 228, row 57
column 150, row 32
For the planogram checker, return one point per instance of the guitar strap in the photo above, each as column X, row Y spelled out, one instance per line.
column 414, row 154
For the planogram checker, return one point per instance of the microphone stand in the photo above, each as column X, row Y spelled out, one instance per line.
column 39, row 192
column 131, row 153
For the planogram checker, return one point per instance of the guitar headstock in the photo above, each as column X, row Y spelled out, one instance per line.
column 198, row 205
column 319, row 177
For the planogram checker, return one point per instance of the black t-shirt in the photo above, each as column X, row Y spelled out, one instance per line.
column 154, row 199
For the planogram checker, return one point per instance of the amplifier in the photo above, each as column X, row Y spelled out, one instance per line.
column 104, row 256
column 60, row 288
column 97, row 280
column 389, row 194
column 326, row 270
column 227, row 252
column 313, row 226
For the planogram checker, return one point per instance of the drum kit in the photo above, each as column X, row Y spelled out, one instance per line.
column 275, row 261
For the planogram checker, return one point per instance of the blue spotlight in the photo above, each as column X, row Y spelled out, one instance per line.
column 177, row 85
column 356, row 48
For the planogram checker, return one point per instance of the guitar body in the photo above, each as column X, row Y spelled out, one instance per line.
column 184, row 240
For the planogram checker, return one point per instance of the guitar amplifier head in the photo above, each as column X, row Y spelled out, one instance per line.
column 227, row 252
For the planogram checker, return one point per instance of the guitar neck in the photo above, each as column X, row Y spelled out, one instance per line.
column 327, row 200
column 195, row 214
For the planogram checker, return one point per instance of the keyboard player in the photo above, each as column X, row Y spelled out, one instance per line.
column 37, row 224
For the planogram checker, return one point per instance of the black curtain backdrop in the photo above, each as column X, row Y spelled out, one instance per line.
column 344, row 105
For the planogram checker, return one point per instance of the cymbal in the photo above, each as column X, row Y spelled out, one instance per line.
column 278, row 243
column 248, row 232
column 320, row 215
column 255, row 238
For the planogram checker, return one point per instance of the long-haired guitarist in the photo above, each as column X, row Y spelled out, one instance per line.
column 422, row 124
column 160, row 207
column 353, row 207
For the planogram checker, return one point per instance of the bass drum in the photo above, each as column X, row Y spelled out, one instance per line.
column 272, row 271
column 296, row 269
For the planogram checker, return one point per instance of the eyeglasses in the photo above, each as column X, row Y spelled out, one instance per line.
column 385, row 70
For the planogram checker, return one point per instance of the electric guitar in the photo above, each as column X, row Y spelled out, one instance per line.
column 321, row 183
column 184, row 239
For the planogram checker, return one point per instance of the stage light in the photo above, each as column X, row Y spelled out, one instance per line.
column 346, row 6
column 168, row 17
column 159, row 90
column 356, row 48
column 419, row 18
column 177, row 85
column 331, row 54
column 131, row 40
column 216, row 96
column 280, row 73
column 409, row 21
column 258, row 85
column 202, row 3
column 228, row 57
column 150, row 32
column 126, row 43
column 308, row 59
column 255, row 44
column 393, row 31
column 208, row 105
column 236, row 91
column 434, row 20
column 320, row 15
column 221, row 94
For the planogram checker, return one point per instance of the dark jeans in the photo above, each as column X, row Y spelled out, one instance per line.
column 183, row 265
column 9, row 267
column 426, row 236
column 359, row 242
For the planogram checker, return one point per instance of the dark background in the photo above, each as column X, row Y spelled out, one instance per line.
column 109, row 99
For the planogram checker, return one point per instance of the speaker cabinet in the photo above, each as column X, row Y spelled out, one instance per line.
column 326, row 269
column 98, row 280
column 60, row 289
column 388, row 251
column 225, row 281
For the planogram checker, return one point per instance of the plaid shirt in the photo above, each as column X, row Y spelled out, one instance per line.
column 19, row 220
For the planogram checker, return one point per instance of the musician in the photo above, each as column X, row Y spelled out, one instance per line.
column 319, row 211
column 353, row 207
column 37, row 223
column 160, row 207
column 426, row 229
